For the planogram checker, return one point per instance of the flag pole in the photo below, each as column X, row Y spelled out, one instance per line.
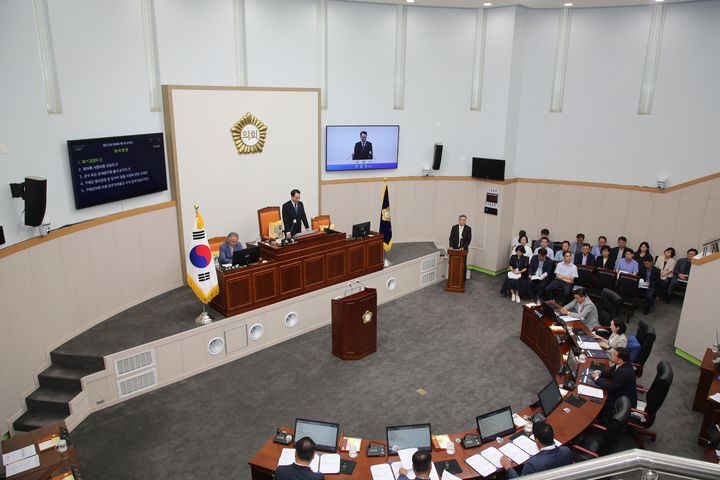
column 386, row 261
column 204, row 318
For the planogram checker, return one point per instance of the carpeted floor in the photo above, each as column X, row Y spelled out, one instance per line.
column 464, row 350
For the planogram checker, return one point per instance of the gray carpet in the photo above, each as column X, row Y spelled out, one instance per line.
column 464, row 350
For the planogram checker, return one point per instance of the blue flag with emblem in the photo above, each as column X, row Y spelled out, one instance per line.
column 385, row 223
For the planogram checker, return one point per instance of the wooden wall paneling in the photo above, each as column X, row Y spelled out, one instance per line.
column 356, row 259
column 100, row 253
column 374, row 255
column 81, row 284
column 314, row 271
column 265, row 284
column 711, row 225
column 524, row 211
column 336, row 265
column 240, row 291
column 290, row 278
column 688, row 229
column 150, row 229
column 590, row 212
column 546, row 207
column 127, row 246
column 614, row 213
column 403, row 198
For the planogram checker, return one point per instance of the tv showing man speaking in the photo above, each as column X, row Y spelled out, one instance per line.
column 361, row 147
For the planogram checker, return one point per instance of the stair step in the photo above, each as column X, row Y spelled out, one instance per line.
column 50, row 399
column 63, row 378
column 32, row 420
column 93, row 364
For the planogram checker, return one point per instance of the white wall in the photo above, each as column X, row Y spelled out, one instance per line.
column 103, row 82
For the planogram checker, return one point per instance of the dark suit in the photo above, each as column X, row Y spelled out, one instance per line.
column 609, row 264
column 651, row 276
column 681, row 266
column 463, row 242
column 363, row 153
column 537, row 287
column 289, row 214
column 296, row 472
column 618, row 382
column 545, row 460
column 226, row 252
column 590, row 259
column 614, row 252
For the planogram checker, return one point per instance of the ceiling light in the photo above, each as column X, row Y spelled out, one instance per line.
column 569, row 4
column 487, row 4
column 410, row 1
column 659, row 1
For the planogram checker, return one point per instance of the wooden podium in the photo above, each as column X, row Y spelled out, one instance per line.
column 456, row 270
column 354, row 325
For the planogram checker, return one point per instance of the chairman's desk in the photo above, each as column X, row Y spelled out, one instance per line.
column 52, row 463
column 315, row 261
column 536, row 333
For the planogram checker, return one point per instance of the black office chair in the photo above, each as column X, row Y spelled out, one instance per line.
column 589, row 445
column 608, row 309
column 646, row 338
column 604, row 278
column 627, row 287
column 585, row 276
column 642, row 419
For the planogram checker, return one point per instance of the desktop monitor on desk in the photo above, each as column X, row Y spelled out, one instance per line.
column 246, row 256
column 549, row 310
column 495, row 424
column 324, row 434
column 573, row 365
column 361, row 230
column 549, row 397
column 409, row 436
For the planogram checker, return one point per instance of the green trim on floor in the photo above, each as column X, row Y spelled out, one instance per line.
column 486, row 271
column 6, row 436
column 687, row 357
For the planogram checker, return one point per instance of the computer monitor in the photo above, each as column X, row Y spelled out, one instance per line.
column 409, row 436
column 324, row 434
column 361, row 230
column 550, row 397
column 548, row 309
column 495, row 424
column 573, row 365
column 246, row 256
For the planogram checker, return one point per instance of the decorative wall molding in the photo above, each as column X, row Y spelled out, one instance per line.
column 48, row 68
column 478, row 59
column 400, row 48
column 561, row 54
column 147, row 7
column 322, row 51
column 652, row 58
column 240, row 42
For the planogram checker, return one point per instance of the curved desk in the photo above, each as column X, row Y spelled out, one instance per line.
column 536, row 333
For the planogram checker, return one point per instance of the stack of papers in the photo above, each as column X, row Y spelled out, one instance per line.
column 480, row 465
column 590, row 391
column 515, row 453
column 589, row 345
column 325, row 463
column 381, row 471
column 519, row 421
column 513, row 276
column 493, row 455
column 527, row 445
column 20, row 460
column 395, row 466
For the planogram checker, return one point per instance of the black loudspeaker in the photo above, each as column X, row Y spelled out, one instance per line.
column 2, row 235
column 35, row 196
column 437, row 158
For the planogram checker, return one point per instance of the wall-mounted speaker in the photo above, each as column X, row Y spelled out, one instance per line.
column 2, row 235
column 437, row 158
column 34, row 192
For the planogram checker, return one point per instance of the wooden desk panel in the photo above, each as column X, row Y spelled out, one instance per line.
column 536, row 333
column 313, row 262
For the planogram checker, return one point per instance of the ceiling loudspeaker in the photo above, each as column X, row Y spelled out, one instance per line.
column 437, row 157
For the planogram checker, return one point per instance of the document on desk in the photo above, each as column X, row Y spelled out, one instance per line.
column 515, row 453
column 16, row 455
column 381, row 471
column 287, row 456
column 568, row 318
column 448, row 476
column 396, row 470
column 492, row 455
column 480, row 465
column 590, row 391
column 315, row 463
column 715, row 397
column 405, row 455
column 589, row 345
column 330, row 463
column 524, row 442
column 22, row 465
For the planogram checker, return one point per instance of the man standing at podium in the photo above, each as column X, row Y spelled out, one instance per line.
column 460, row 234
column 293, row 212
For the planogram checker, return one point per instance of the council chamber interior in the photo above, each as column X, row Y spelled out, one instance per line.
column 378, row 162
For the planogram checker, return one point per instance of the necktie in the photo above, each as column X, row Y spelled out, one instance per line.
column 295, row 204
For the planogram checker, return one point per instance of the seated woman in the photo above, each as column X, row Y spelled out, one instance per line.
column 516, row 241
column 666, row 264
column 643, row 252
column 230, row 245
column 523, row 242
column 604, row 260
column 617, row 337
column 516, row 281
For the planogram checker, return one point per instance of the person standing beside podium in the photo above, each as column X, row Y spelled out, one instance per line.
column 460, row 234
column 293, row 213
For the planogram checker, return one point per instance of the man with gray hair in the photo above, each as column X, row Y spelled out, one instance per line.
column 230, row 245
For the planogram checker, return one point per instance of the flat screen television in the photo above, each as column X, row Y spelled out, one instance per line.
column 109, row 169
column 488, row 168
column 361, row 147
column 409, row 436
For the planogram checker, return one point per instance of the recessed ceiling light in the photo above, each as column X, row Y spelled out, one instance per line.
column 410, row 1
column 487, row 4
column 568, row 4
column 659, row 1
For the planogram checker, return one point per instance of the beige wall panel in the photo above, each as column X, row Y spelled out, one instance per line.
column 445, row 213
column 235, row 339
column 193, row 353
column 711, row 225
column 425, row 195
column 507, row 207
column 696, row 328
column 698, row 190
column 689, row 225
column 568, row 213
column 368, row 200
column 108, row 297
column 664, row 216
column 339, row 204
column 715, row 188
column 152, row 240
column 524, row 217
column 169, row 250
column 97, row 390
column 81, row 282
column 403, row 210
column 638, row 215
column 128, row 244
column 590, row 211
column 169, row 359
column 613, row 216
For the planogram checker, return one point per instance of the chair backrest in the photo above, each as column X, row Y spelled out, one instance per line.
column 615, row 427
column 627, row 285
column 320, row 221
column 634, row 348
column 658, row 391
column 605, row 278
column 266, row 216
column 215, row 243
column 556, row 246
column 609, row 306
column 646, row 336
column 585, row 275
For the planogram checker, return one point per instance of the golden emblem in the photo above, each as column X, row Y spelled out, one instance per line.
column 385, row 214
column 249, row 134
column 367, row 316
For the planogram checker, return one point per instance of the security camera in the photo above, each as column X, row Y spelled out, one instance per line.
column 426, row 171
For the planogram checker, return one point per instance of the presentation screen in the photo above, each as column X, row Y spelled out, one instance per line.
column 109, row 169
column 361, row 147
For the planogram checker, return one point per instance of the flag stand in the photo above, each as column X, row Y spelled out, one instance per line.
column 204, row 318
column 387, row 263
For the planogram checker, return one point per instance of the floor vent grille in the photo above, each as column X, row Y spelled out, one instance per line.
column 428, row 264
column 428, row 278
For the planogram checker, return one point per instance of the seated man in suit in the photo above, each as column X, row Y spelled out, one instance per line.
column 545, row 243
column 618, row 252
column 293, row 213
column 681, row 273
column 627, row 264
column 577, row 245
column 230, row 245
column 597, row 249
column 363, row 149
column 460, row 234
column 543, row 233
column 300, row 470
column 540, row 270
column 565, row 275
column 584, row 257
column 618, row 380
column 604, row 260
column 422, row 466
column 549, row 456
column 650, row 279
column 583, row 308
column 561, row 253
